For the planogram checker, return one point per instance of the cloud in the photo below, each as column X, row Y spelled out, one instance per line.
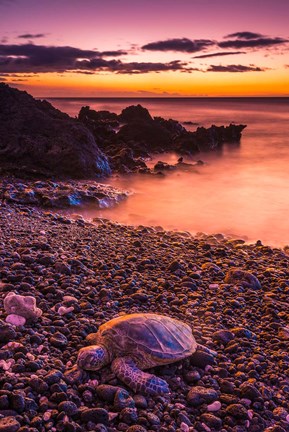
column 218, row 54
column 234, row 68
column 244, row 35
column 130, row 68
column 30, row 58
column 113, row 53
column 41, row 58
column 253, row 40
column 179, row 45
column 32, row 36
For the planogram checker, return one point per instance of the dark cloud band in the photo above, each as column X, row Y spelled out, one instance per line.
column 179, row 45
column 32, row 36
column 244, row 35
column 261, row 42
column 219, row 54
column 29, row 58
column 234, row 68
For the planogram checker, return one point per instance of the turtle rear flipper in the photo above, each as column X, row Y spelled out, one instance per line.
column 139, row 381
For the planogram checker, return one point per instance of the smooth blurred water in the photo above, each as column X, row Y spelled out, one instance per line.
column 243, row 190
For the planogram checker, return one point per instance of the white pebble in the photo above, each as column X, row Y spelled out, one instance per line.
column 47, row 416
column 65, row 419
column 30, row 356
column 215, row 406
column 4, row 365
column 246, row 402
column 93, row 383
column 65, row 310
column 70, row 298
column 214, row 286
column 15, row 320
column 184, row 427
column 250, row 414
column 287, row 418
column 208, row 368
column 12, row 345
column 207, row 429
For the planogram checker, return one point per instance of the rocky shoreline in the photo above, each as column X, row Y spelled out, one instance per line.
column 38, row 141
column 83, row 274
column 60, row 194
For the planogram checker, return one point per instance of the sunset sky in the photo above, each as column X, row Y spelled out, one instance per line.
column 145, row 47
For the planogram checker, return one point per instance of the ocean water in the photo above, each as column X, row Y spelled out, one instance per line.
column 241, row 190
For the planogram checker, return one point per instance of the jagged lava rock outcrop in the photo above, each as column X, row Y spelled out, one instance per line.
column 37, row 138
column 135, row 134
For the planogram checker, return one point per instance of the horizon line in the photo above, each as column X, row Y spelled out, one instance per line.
column 162, row 97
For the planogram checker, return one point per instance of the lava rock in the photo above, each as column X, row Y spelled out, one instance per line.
column 9, row 424
column 37, row 138
column 199, row 395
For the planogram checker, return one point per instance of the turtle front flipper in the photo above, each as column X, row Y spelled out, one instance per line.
column 139, row 381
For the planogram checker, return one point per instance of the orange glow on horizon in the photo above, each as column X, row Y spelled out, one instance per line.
column 174, row 84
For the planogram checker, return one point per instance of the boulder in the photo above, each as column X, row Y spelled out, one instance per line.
column 39, row 139
column 153, row 136
column 135, row 114
column 23, row 306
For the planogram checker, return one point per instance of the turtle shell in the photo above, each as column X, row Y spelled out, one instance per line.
column 151, row 339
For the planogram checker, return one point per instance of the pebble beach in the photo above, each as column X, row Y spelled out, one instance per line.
column 83, row 274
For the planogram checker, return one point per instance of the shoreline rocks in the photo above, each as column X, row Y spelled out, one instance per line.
column 36, row 139
column 133, row 136
column 39, row 141
column 58, row 195
column 97, row 272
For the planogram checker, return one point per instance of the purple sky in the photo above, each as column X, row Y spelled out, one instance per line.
column 160, row 47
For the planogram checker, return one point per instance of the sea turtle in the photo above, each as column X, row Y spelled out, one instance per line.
column 135, row 342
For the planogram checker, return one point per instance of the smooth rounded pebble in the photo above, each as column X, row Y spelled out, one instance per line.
column 15, row 320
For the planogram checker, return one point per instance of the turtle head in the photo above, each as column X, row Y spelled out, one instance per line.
column 93, row 357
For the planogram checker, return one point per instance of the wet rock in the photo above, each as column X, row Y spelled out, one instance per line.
column 135, row 113
column 140, row 401
column 174, row 265
column 202, row 358
column 75, row 375
column 199, row 395
column 9, row 424
column 115, row 270
column 55, row 143
column 68, row 407
column 123, row 400
column 237, row 411
column 7, row 332
column 107, row 392
column 223, row 336
column 242, row 277
column 136, row 428
column 58, row 340
column 95, row 415
column 212, row 421
column 64, row 195
column 128, row 415
column 249, row 391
